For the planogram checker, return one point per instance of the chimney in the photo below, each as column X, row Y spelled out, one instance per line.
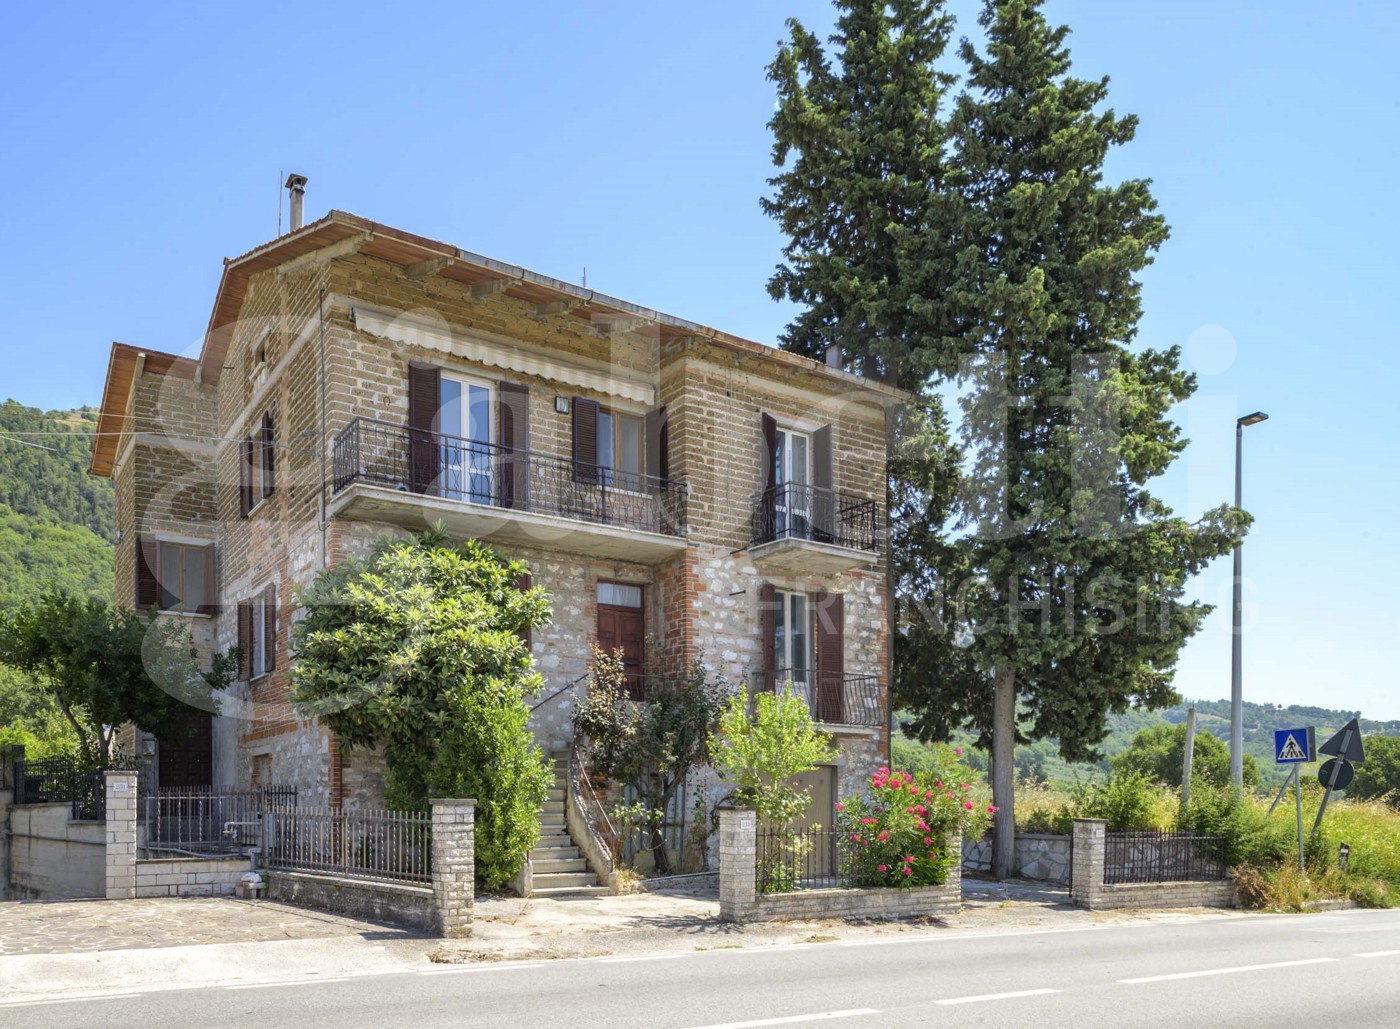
column 296, row 188
column 833, row 355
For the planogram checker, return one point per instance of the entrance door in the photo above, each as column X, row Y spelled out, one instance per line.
column 622, row 626
column 189, row 759
column 820, row 784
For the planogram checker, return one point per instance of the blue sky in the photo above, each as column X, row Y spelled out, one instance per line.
column 146, row 142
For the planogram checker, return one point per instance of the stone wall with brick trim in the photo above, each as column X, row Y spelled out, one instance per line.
column 1088, row 890
column 189, row 876
column 121, row 835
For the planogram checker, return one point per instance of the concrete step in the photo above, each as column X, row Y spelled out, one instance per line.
column 563, row 880
column 549, row 866
column 566, row 892
column 560, row 847
column 556, row 794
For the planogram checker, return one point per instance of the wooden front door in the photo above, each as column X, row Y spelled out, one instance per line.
column 624, row 629
column 187, row 759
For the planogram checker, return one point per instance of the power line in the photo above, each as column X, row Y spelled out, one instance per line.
column 26, row 443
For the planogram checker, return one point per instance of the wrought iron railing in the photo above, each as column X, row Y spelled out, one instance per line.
column 389, row 845
column 1161, row 857
column 383, row 454
column 59, row 780
column 833, row 698
column 800, row 859
column 793, row 511
column 207, row 820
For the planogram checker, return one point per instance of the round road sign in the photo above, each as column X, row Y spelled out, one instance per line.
column 1336, row 774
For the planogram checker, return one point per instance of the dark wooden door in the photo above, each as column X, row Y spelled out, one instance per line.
column 624, row 629
column 187, row 759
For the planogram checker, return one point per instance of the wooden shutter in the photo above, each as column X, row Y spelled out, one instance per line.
column 245, row 639
column 523, row 584
column 269, row 616
column 147, row 582
column 267, row 456
column 831, row 657
column 823, row 499
column 209, row 602
column 245, row 477
column 767, row 634
column 658, row 441
column 768, row 456
column 424, row 401
column 513, row 436
column 585, row 440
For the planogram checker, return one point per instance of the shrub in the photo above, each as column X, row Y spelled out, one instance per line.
column 905, row 831
column 1249, row 836
column 762, row 753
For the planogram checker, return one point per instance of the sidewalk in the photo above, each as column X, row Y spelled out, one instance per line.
column 69, row 948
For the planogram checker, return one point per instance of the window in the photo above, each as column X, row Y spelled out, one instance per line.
column 175, row 576
column 617, row 594
column 257, row 633
column 256, row 466
column 621, row 457
column 792, row 502
column 465, row 421
column 793, row 641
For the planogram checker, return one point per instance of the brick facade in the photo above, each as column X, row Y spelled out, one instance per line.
column 322, row 337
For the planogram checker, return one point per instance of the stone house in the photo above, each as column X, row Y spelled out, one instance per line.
column 678, row 490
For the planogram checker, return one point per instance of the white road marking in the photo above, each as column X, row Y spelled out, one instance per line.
column 995, row 996
column 1228, row 971
column 983, row 936
column 65, row 1000
column 289, row 982
column 643, row 957
column 819, row 1016
column 1379, row 954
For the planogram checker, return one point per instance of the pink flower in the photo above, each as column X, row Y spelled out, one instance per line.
column 919, row 809
column 855, row 837
column 991, row 809
column 909, row 860
column 883, row 771
column 928, row 840
column 908, row 870
column 968, row 805
column 939, row 784
column 884, row 868
column 929, row 793
column 840, row 807
column 884, row 836
column 948, row 795
column 966, row 786
column 957, row 751
column 913, row 789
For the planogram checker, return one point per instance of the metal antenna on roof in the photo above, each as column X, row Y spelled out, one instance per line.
column 279, row 202
column 585, row 276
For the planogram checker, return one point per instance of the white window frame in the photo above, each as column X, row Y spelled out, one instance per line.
column 800, row 679
column 465, row 382
column 257, row 633
column 610, row 473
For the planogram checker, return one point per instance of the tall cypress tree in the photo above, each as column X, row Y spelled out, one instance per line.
column 1062, row 588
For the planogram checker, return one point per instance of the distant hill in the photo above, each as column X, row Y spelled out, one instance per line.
column 55, row 519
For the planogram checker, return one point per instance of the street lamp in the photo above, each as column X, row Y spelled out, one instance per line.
column 1236, row 657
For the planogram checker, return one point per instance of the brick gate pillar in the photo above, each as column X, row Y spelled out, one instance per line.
column 454, row 866
column 121, row 835
column 738, row 861
column 1087, row 861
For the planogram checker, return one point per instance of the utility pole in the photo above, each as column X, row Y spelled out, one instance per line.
column 1236, row 653
column 1188, row 757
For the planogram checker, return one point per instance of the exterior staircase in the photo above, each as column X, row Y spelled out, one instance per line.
column 559, row 868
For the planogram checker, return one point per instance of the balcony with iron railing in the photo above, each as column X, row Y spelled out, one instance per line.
column 414, row 478
column 832, row 698
column 799, row 529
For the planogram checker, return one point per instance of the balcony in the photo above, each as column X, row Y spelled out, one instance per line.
column 833, row 699
column 390, row 473
column 807, row 530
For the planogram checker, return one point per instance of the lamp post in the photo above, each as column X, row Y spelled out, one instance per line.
column 1236, row 657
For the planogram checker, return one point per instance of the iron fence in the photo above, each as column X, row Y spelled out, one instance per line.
column 796, row 511
column 1160, row 857
column 205, row 820
column 413, row 461
column 833, row 698
column 388, row 845
column 59, row 780
column 800, row 859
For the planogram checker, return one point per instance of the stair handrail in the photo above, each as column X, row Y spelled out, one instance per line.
column 591, row 807
column 561, row 689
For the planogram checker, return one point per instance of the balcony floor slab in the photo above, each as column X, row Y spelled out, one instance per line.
column 503, row 526
column 794, row 556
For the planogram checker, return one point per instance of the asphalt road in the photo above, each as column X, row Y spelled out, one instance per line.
column 1340, row 969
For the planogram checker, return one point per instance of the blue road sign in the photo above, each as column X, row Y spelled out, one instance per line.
column 1294, row 746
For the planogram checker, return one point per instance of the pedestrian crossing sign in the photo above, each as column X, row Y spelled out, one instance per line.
column 1294, row 746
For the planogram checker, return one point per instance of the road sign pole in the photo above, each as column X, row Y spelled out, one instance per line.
column 1298, row 801
column 1188, row 757
column 1287, row 781
column 1336, row 773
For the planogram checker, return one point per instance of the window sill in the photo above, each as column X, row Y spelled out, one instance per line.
column 176, row 612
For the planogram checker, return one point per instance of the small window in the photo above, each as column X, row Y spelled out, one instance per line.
column 617, row 594
column 620, row 449
column 257, row 644
column 175, row 576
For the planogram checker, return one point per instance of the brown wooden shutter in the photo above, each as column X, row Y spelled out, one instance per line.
column 513, row 436
column 209, row 602
column 245, row 477
column 245, row 639
column 523, row 584
column 267, row 456
column 147, row 582
column 657, row 446
column 768, row 457
column 823, row 504
column 831, row 656
column 585, row 440
column 424, row 402
column 767, row 634
column 269, row 615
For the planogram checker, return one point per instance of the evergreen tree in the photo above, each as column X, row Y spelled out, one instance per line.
column 1062, row 592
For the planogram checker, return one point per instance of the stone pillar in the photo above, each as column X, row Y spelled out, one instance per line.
column 121, row 835
column 1087, row 861
column 738, row 863
column 454, row 866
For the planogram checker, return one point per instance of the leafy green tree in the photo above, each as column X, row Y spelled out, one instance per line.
column 1157, row 753
column 763, row 752
column 1064, row 577
column 419, row 648
column 1378, row 777
column 649, row 747
column 106, row 667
